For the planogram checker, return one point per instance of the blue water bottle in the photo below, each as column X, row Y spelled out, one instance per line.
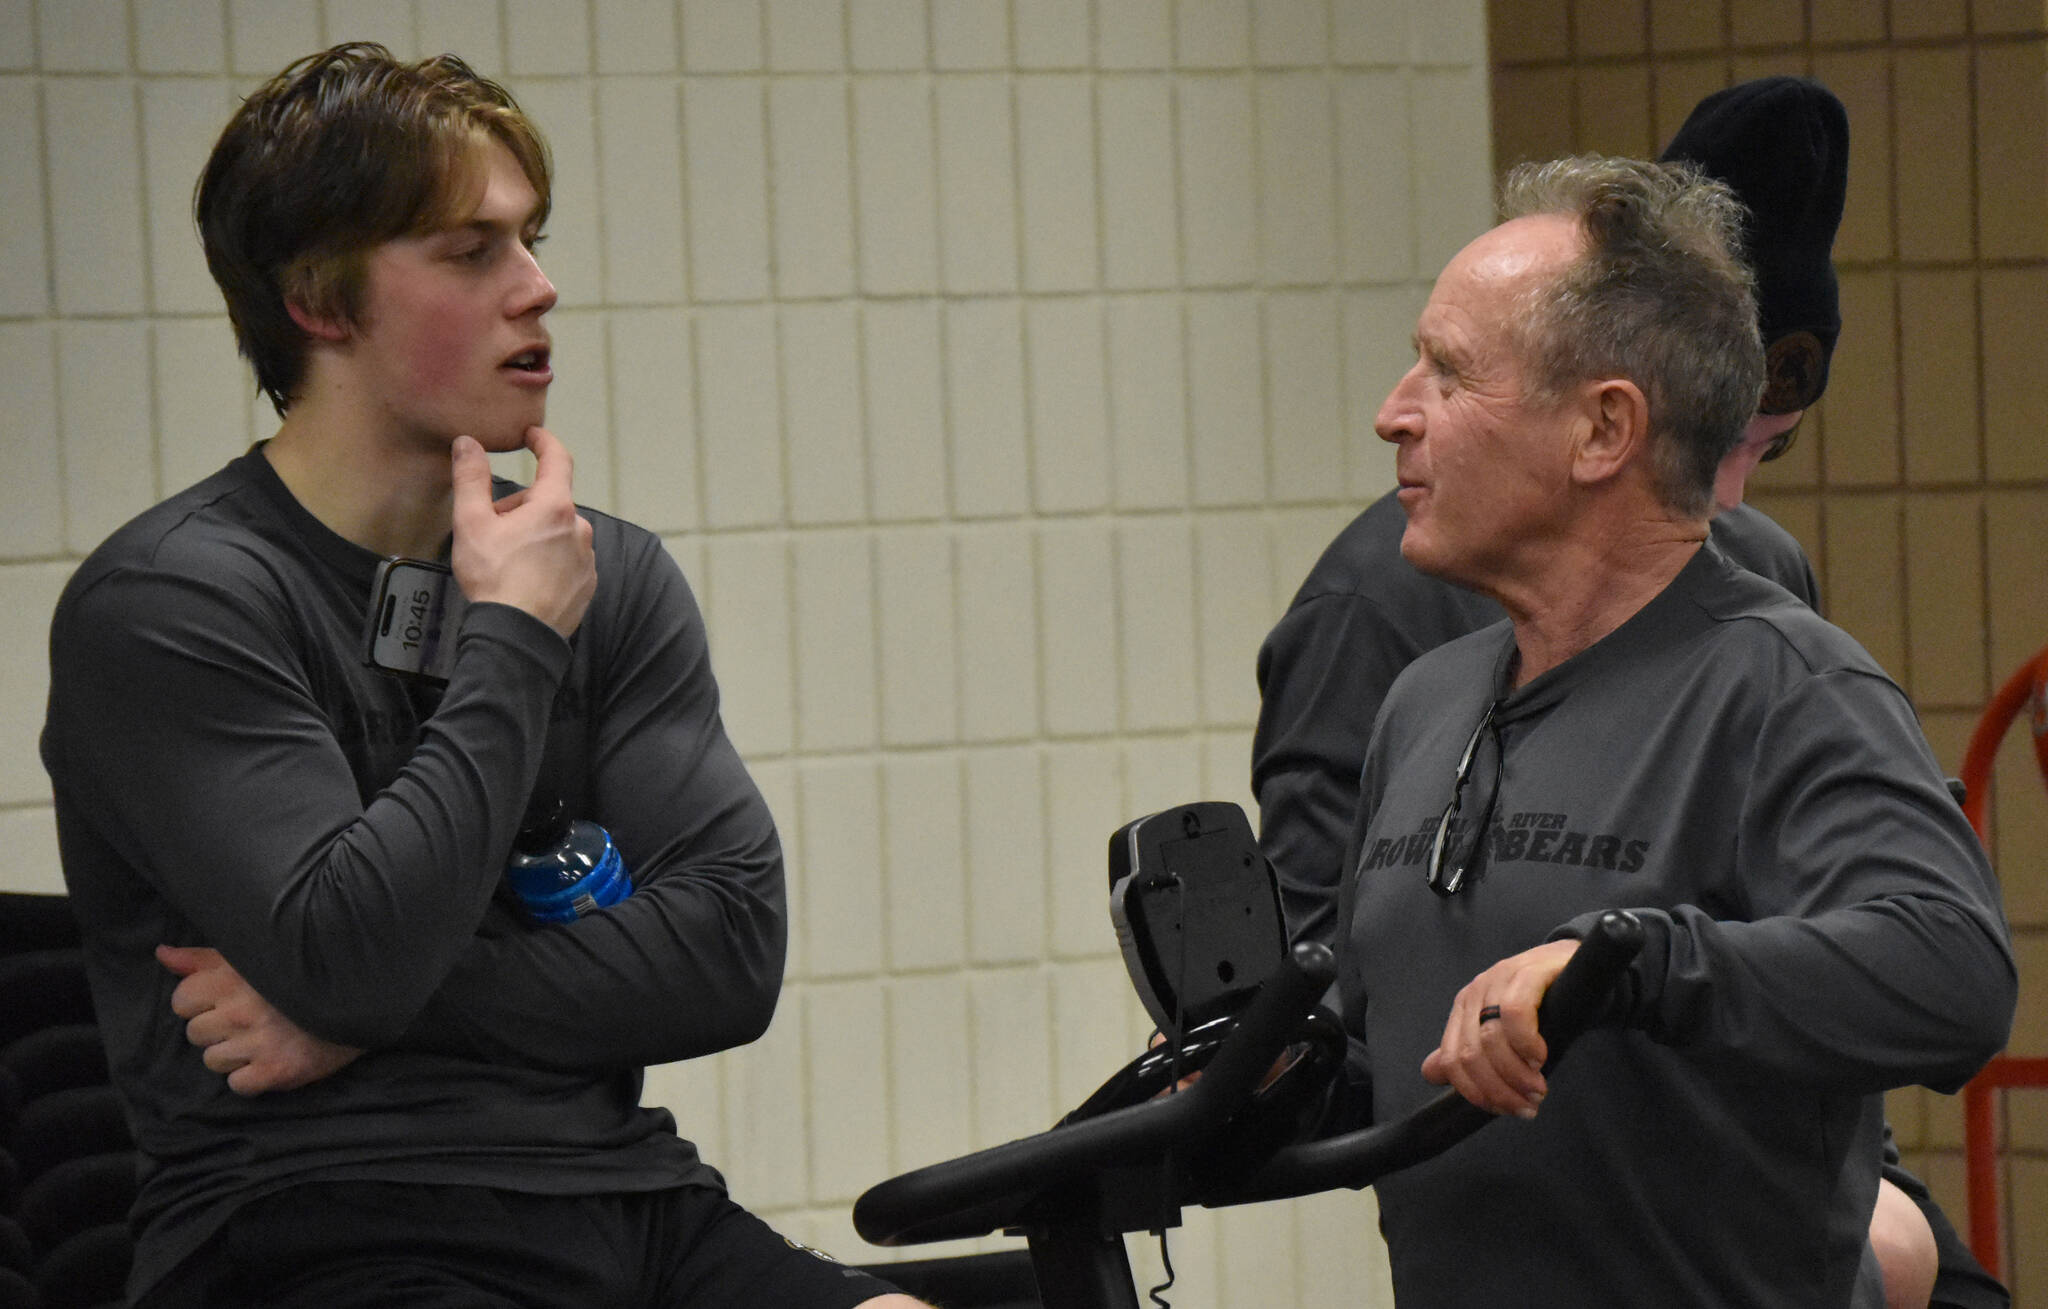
column 562, row 869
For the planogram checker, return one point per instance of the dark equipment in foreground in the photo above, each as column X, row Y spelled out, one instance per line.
column 1112, row 1168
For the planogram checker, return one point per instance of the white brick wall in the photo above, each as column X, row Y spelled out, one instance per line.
column 994, row 368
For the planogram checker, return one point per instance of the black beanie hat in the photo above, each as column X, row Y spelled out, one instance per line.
column 1782, row 145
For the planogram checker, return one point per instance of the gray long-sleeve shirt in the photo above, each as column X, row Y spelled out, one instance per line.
column 1362, row 615
column 1822, row 926
column 227, row 773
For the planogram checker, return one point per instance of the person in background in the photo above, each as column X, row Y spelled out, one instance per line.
column 1364, row 613
column 357, row 1075
column 1655, row 729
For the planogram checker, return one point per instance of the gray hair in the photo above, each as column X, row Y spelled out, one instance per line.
column 1660, row 297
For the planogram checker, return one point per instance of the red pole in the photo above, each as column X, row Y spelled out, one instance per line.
column 1980, row 1170
column 1982, row 750
column 2026, row 689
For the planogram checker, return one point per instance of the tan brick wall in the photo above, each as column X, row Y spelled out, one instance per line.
column 1920, row 486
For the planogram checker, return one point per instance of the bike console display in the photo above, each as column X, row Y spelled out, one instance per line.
column 1196, row 911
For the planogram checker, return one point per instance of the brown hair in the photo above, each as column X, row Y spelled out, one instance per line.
column 342, row 151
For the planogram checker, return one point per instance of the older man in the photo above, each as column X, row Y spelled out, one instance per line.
column 1363, row 613
column 1656, row 729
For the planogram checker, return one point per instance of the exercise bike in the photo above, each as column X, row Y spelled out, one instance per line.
column 1197, row 914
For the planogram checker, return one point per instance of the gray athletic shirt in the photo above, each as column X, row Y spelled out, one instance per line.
column 1362, row 615
column 227, row 773
column 1822, row 926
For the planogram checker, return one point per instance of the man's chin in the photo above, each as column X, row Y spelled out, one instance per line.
column 1415, row 549
column 504, row 438
column 1421, row 555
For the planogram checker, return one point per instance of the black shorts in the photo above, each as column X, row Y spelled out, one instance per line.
column 336, row 1245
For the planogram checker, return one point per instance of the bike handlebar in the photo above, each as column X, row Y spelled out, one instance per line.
column 1574, row 1002
column 978, row 1193
column 991, row 1189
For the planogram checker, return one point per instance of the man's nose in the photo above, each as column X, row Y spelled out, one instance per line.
column 536, row 292
column 1399, row 415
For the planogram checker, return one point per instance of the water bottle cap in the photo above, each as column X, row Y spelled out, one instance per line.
column 546, row 822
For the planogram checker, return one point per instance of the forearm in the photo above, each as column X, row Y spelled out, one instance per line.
column 1904, row 1245
column 374, row 919
column 1897, row 991
column 225, row 761
column 691, row 962
column 673, row 972
column 1870, row 950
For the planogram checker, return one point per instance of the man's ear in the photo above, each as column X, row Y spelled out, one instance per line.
column 317, row 326
column 1614, row 429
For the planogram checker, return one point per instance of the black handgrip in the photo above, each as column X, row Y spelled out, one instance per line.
column 1577, row 998
column 1580, row 994
column 980, row 1192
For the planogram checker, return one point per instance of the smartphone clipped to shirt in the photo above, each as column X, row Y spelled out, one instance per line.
column 415, row 611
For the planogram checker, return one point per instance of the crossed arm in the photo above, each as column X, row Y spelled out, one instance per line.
column 239, row 1033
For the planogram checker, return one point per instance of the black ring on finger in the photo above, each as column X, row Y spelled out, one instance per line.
column 1489, row 1013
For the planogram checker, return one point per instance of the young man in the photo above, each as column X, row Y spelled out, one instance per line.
column 1655, row 729
column 356, row 1075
